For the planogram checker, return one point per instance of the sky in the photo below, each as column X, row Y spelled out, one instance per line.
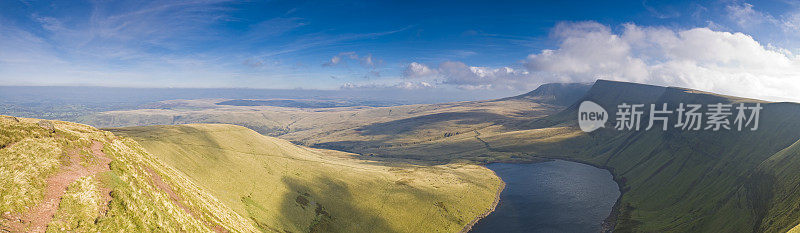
column 742, row 48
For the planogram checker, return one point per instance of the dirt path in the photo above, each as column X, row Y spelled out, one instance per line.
column 102, row 166
column 37, row 219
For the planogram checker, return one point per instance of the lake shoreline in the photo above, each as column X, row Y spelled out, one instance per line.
column 496, row 202
column 609, row 223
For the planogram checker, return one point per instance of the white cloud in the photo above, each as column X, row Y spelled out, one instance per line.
column 413, row 85
column 365, row 61
column 369, row 66
column 406, row 85
column 588, row 51
column 474, row 77
column 418, row 70
column 468, row 77
column 699, row 58
column 334, row 61
column 745, row 16
column 779, row 27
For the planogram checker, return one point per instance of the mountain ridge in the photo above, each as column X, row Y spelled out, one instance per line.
column 554, row 93
column 666, row 175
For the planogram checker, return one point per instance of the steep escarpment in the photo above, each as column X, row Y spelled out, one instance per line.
column 676, row 179
column 782, row 200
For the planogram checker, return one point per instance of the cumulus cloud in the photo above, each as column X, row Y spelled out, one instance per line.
column 474, row 77
column 588, row 51
column 369, row 66
column 418, row 70
column 468, row 77
column 365, row 61
column 700, row 58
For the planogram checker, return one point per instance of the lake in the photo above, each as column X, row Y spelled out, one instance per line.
column 555, row 196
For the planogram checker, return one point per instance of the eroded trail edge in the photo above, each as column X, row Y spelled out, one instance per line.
column 37, row 219
column 177, row 200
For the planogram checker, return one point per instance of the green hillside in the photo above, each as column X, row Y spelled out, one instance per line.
column 781, row 172
column 682, row 181
column 673, row 181
column 287, row 188
column 67, row 177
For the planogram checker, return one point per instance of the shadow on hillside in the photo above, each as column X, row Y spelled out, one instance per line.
column 415, row 123
column 303, row 208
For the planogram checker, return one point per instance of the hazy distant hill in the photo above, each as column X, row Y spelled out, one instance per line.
column 70, row 103
column 441, row 121
column 351, row 127
column 303, row 103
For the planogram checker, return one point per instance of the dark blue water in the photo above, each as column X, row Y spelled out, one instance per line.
column 557, row 196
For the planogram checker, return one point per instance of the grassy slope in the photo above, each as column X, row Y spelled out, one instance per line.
column 784, row 207
column 684, row 181
column 31, row 151
column 283, row 187
column 673, row 181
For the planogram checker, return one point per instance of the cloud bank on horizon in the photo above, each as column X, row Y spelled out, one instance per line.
column 698, row 58
column 730, row 47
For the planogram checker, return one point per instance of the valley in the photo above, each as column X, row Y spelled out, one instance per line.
column 306, row 167
column 283, row 187
column 664, row 175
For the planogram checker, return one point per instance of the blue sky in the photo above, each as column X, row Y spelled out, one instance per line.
column 487, row 46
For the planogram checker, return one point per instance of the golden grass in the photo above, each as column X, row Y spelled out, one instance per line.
column 284, row 187
column 33, row 151
column 796, row 229
column 23, row 167
column 78, row 207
